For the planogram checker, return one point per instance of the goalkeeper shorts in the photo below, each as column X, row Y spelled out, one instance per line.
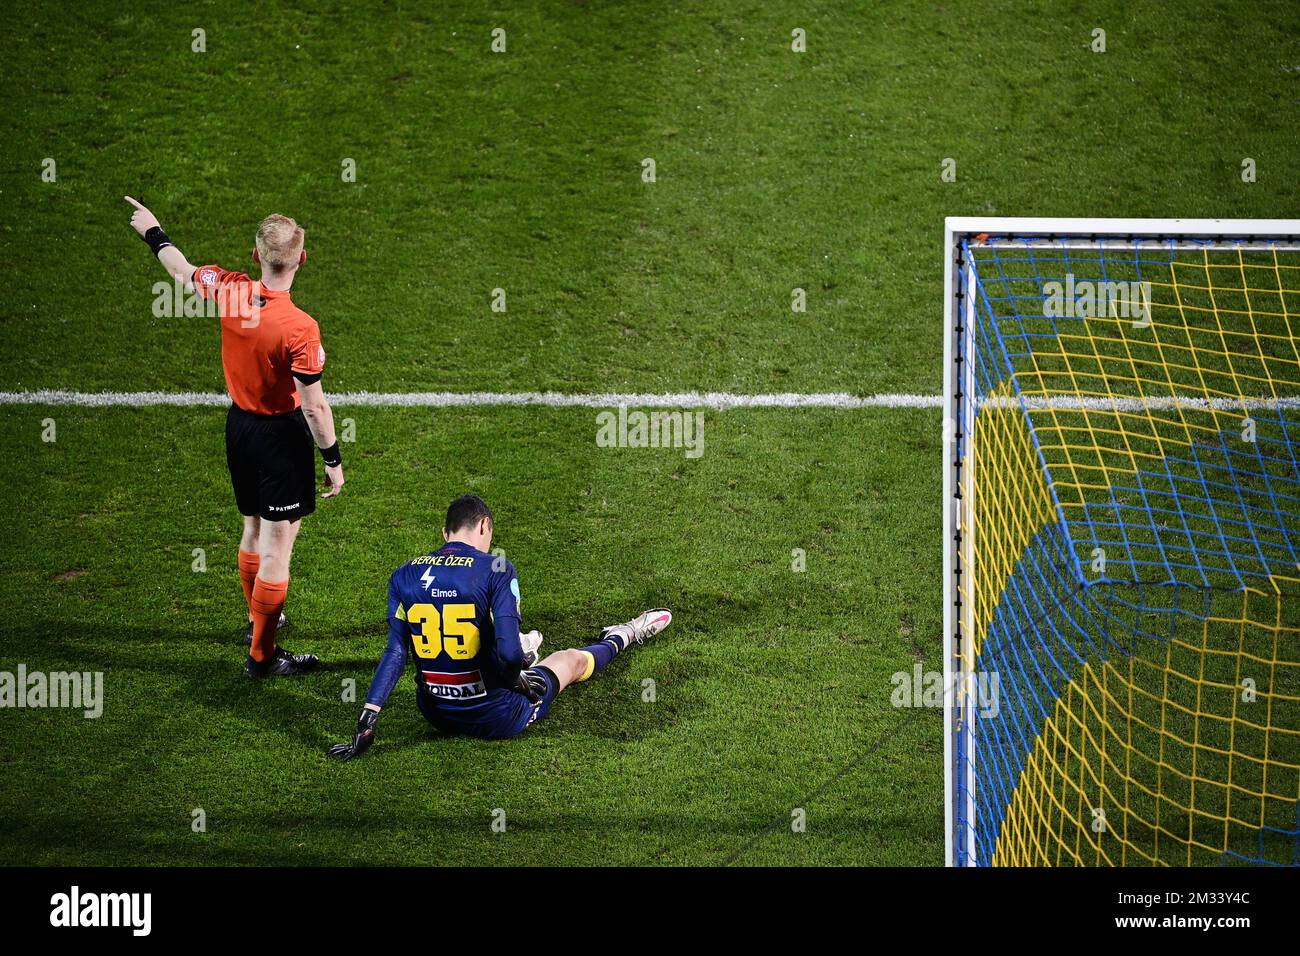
column 504, row 712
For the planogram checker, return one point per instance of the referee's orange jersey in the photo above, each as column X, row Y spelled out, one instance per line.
column 265, row 341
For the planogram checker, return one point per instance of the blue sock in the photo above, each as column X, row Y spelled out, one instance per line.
column 599, row 655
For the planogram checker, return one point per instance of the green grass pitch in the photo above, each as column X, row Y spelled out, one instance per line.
column 522, row 171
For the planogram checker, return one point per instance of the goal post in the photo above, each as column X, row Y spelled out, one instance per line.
column 1121, row 541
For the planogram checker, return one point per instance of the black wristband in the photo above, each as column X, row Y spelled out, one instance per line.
column 156, row 239
column 332, row 456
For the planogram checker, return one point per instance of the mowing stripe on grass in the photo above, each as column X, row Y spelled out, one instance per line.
column 715, row 400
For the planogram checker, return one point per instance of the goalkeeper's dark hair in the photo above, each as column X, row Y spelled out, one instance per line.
column 465, row 512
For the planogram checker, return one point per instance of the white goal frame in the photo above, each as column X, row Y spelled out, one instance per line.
column 958, row 480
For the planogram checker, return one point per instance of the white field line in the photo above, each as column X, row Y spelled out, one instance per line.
column 714, row 400
column 1151, row 403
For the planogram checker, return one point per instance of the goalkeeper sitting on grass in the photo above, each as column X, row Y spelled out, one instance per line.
column 457, row 611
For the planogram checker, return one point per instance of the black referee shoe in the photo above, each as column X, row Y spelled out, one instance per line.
column 283, row 664
column 284, row 625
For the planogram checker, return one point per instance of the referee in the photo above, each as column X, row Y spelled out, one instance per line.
column 273, row 360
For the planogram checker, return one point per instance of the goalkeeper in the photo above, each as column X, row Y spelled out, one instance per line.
column 457, row 611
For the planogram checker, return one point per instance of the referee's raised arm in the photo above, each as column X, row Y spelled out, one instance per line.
column 146, row 226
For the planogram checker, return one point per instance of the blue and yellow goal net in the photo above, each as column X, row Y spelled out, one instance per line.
column 1129, row 562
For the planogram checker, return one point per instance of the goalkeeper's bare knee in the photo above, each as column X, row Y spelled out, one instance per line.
column 567, row 665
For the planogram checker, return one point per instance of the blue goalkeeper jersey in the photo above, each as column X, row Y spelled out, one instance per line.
column 456, row 613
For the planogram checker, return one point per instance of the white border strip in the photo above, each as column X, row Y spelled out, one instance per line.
column 715, row 400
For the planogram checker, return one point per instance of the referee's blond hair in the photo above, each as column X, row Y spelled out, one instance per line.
column 279, row 242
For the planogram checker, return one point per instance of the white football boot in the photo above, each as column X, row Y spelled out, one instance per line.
column 641, row 628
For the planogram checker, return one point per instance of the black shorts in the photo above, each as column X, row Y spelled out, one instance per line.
column 272, row 461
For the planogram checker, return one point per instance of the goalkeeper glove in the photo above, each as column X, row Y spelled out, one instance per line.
column 531, row 684
column 361, row 740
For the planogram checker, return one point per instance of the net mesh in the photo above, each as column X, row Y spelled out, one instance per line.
column 1131, row 521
